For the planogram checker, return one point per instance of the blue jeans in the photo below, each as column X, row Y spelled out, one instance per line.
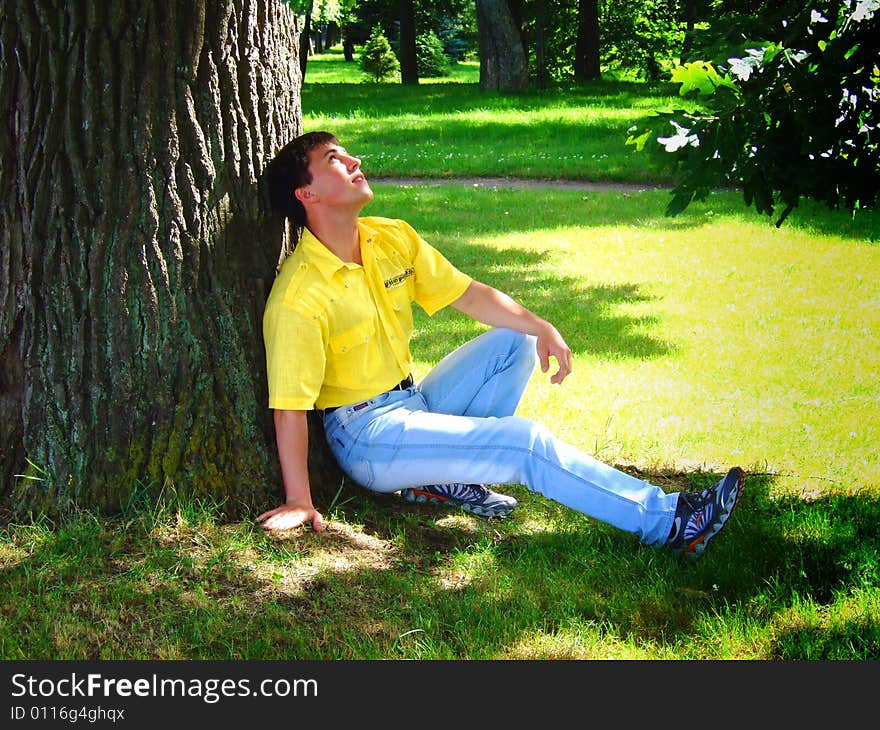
column 457, row 425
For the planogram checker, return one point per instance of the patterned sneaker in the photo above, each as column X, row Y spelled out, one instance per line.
column 470, row 497
column 699, row 517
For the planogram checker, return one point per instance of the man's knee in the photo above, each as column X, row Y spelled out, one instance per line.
column 527, row 435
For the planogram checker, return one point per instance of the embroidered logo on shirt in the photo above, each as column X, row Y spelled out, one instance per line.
column 399, row 279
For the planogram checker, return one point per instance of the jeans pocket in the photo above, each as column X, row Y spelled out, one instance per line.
column 360, row 470
column 342, row 445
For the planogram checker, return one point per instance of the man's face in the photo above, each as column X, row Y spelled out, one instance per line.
column 337, row 180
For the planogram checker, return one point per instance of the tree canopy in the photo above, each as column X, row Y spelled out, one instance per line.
column 783, row 120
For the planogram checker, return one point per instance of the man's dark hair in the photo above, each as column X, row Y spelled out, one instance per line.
column 289, row 170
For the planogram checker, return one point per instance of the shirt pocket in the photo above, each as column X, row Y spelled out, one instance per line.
column 345, row 342
column 352, row 357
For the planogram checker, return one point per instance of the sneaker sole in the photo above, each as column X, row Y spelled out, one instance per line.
column 695, row 549
column 416, row 497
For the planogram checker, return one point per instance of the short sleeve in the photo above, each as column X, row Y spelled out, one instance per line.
column 437, row 282
column 295, row 357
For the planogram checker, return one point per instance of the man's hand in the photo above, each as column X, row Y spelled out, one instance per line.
column 550, row 343
column 288, row 516
column 495, row 308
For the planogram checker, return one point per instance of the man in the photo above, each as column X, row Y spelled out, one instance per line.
column 337, row 328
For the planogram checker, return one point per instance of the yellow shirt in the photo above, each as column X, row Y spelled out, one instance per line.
column 338, row 333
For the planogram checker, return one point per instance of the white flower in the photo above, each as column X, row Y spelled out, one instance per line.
column 865, row 9
column 679, row 140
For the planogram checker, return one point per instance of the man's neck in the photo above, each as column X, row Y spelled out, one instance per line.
column 339, row 235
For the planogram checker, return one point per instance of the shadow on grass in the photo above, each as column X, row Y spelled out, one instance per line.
column 591, row 317
column 386, row 582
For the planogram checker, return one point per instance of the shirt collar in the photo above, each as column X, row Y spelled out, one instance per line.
column 327, row 262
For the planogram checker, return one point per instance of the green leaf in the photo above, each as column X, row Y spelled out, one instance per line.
column 850, row 52
column 640, row 140
column 699, row 76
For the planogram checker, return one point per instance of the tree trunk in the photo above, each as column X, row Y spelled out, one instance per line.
column 540, row 44
column 305, row 44
column 586, row 62
column 518, row 14
column 137, row 249
column 503, row 65
column 409, row 68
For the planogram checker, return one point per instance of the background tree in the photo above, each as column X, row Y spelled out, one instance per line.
column 639, row 38
column 322, row 23
column 431, row 56
column 786, row 120
column 503, row 61
column 407, row 54
column 586, row 55
column 378, row 61
column 135, row 249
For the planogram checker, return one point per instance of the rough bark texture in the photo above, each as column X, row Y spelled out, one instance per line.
column 137, row 249
column 586, row 62
column 503, row 63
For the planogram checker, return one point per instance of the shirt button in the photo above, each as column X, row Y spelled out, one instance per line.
column 347, row 285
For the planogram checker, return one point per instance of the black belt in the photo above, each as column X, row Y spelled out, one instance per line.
column 402, row 385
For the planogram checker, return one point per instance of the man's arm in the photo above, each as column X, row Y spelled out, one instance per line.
column 292, row 437
column 495, row 308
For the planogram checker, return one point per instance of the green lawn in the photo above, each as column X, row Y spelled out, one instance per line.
column 444, row 130
column 700, row 341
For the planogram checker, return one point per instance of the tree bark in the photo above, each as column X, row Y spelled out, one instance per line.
column 503, row 63
column 586, row 62
column 348, row 50
column 409, row 68
column 137, row 248
column 305, row 44
column 540, row 44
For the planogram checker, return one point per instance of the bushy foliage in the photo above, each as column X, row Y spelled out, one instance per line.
column 783, row 120
column 431, row 59
column 378, row 61
column 640, row 35
column 636, row 36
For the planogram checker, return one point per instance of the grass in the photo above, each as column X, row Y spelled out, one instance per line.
column 330, row 67
column 700, row 341
column 445, row 130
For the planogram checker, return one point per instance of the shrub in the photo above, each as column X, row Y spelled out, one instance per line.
column 378, row 61
column 431, row 59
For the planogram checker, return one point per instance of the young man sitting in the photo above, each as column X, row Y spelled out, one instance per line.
column 337, row 328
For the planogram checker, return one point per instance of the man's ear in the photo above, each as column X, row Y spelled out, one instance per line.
column 303, row 195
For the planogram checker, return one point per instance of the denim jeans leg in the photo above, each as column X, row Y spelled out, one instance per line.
column 457, row 426
column 483, row 377
column 408, row 446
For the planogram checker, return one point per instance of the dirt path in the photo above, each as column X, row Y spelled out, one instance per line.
column 519, row 183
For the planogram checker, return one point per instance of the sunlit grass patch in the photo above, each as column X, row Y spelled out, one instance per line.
column 700, row 341
column 448, row 128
